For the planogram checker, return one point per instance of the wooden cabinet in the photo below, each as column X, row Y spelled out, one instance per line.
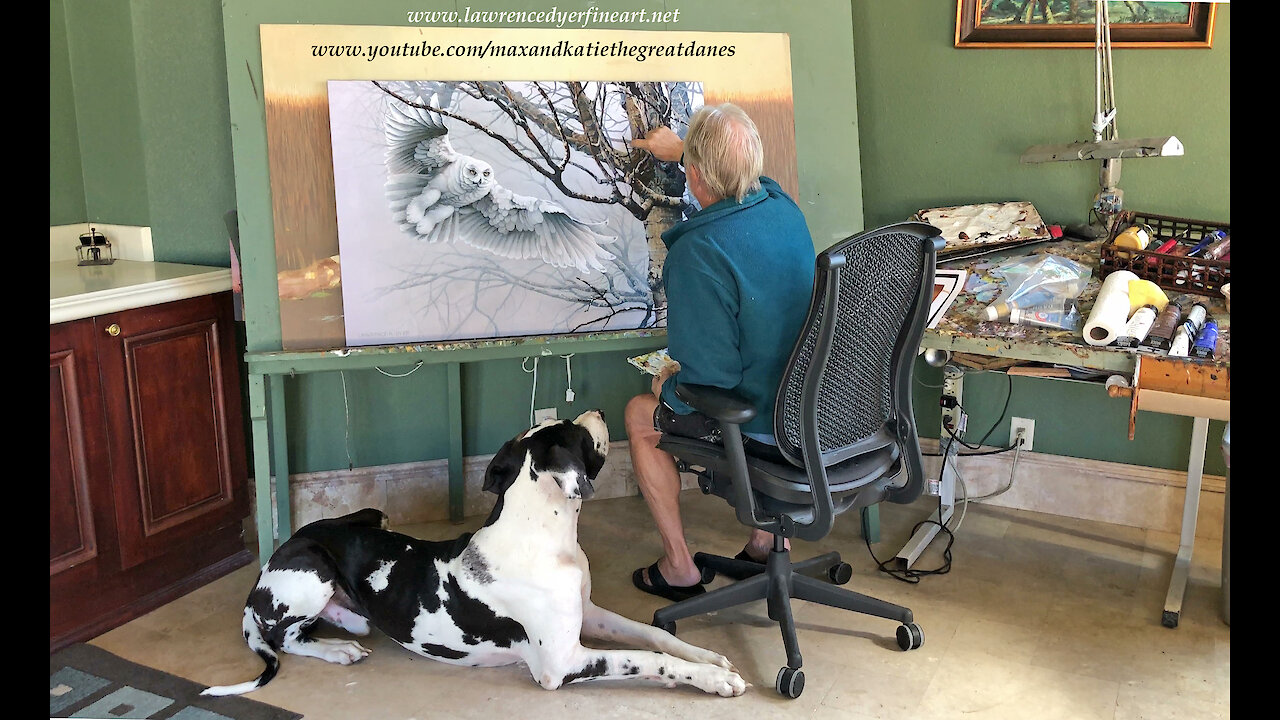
column 147, row 478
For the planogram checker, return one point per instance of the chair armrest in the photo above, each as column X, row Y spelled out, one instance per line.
column 723, row 405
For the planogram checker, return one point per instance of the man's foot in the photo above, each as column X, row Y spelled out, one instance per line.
column 752, row 552
column 650, row 580
column 758, row 548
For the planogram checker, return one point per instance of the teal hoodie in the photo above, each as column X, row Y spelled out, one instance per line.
column 738, row 277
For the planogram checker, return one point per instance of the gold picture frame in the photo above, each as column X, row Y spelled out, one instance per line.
column 1070, row 24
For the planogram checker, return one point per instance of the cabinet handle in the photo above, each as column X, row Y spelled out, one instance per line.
column 113, row 329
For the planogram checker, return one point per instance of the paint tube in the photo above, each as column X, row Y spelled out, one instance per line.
column 1181, row 344
column 1068, row 319
column 1206, row 344
column 1139, row 325
column 1161, row 334
column 1195, row 319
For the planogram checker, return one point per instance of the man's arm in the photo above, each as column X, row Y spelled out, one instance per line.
column 702, row 328
column 662, row 143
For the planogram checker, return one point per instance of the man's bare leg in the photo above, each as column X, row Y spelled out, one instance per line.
column 659, row 480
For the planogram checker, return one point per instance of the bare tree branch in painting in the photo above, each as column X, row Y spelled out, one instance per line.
column 559, row 127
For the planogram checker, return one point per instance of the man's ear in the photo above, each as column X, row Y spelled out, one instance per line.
column 502, row 469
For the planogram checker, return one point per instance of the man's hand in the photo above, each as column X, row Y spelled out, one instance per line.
column 662, row 143
column 666, row 372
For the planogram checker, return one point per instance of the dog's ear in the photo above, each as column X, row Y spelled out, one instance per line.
column 592, row 459
column 502, row 469
column 563, row 460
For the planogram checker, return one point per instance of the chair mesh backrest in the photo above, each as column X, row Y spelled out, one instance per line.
column 879, row 288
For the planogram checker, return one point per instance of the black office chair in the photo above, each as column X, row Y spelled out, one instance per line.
column 844, row 424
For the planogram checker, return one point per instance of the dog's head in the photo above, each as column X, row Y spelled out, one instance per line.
column 568, row 452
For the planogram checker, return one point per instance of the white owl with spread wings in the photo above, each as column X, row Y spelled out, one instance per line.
column 440, row 195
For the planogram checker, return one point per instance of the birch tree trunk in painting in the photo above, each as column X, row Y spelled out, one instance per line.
column 648, row 107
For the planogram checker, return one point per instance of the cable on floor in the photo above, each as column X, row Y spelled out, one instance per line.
column 912, row 575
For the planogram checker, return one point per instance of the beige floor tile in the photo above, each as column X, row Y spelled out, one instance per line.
column 999, row 689
column 1139, row 703
column 1040, row 616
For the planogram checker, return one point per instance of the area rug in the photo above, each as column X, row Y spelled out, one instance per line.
column 89, row 682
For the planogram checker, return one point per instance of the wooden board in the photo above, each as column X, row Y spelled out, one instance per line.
column 1184, row 377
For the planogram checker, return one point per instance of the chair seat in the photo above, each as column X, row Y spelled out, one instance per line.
column 784, row 487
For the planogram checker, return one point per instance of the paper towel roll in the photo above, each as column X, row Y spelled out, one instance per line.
column 1111, row 311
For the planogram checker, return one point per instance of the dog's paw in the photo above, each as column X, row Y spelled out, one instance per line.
column 730, row 684
column 342, row 652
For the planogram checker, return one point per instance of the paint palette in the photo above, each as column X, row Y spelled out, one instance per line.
column 654, row 362
column 976, row 229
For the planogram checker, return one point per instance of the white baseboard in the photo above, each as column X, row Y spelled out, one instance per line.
column 1133, row 495
column 418, row 492
column 1088, row 489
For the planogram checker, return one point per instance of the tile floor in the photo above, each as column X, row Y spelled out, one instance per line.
column 1040, row 617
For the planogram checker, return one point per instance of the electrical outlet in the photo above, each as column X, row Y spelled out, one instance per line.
column 952, row 417
column 1028, row 428
column 544, row 414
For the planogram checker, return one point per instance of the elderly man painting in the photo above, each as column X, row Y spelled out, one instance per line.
column 738, row 276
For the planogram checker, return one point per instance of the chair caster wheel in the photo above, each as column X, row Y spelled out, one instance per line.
column 790, row 682
column 840, row 573
column 910, row 636
column 708, row 574
column 669, row 626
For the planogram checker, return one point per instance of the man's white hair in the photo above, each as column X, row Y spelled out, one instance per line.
column 725, row 145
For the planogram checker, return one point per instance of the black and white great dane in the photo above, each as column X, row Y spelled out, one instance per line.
column 517, row 590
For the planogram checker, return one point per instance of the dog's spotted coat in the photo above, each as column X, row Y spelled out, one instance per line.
column 518, row 590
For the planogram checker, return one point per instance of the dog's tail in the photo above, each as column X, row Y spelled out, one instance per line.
column 258, row 644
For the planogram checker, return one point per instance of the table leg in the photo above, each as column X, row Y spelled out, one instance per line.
column 279, row 437
column 952, row 384
column 871, row 523
column 261, row 464
column 1190, row 506
column 457, row 481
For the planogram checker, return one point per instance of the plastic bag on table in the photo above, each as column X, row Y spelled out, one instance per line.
column 1042, row 281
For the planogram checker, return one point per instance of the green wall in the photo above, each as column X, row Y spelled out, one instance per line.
column 66, row 186
column 108, row 119
column 945, row 126
column 139, row 129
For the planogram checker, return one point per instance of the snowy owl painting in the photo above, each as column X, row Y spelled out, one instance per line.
column 471, row 210
column 439, row 195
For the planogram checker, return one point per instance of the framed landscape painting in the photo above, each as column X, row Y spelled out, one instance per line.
column 1070, row 24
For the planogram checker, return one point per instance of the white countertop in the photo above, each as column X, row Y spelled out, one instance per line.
column 79, row 292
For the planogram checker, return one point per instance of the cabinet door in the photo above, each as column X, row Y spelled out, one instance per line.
column 80, row 519
column 172, row 397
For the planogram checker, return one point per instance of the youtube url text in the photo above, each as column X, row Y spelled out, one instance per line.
column 564, row 48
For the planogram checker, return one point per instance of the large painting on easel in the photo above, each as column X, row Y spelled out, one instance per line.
column 379, row 241
column 497, row 208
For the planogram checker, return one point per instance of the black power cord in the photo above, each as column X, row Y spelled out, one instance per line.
column 911, row 575
column 1003, row 411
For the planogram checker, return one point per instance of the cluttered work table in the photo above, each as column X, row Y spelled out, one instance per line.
column 963, row 329
column 1153, row 380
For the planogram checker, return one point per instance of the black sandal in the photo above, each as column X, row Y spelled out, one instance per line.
column 744, row 573
column 658, row 585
